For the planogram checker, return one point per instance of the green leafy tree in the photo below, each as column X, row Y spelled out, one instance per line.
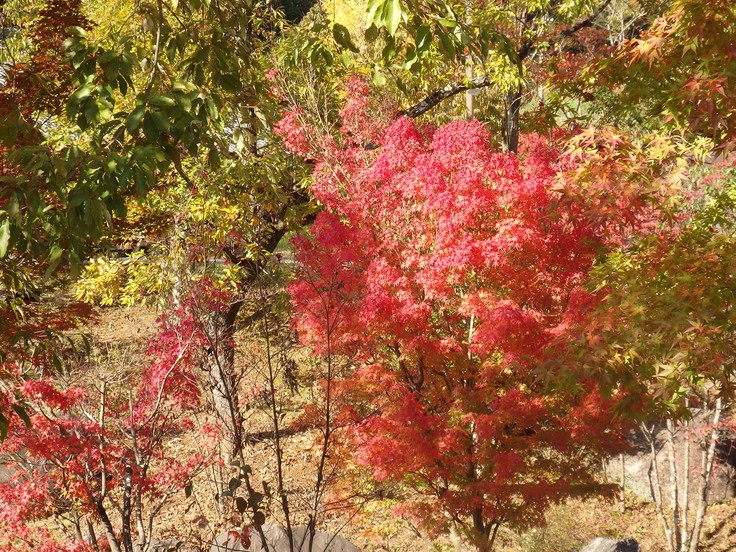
column 507, row 46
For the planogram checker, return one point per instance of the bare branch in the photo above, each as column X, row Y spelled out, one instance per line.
column 157, row 48
column 581, row 25
column 442, row 94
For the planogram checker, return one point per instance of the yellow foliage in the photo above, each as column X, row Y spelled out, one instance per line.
column 144, row 279
column 100, row 281
column 349, row 13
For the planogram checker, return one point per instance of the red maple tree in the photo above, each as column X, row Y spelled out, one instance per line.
column 97, row 457
column 453, row 276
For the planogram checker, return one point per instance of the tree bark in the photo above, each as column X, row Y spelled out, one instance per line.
column 622, row 496
column 107, row 524
column 511, row 124
column 127, row 539
column 438, row 96
column 656, row 486
column 527, row 49
column 706, row 468
column 674, row 490
column 92, row 536
column 686, row 484
column 220, row 330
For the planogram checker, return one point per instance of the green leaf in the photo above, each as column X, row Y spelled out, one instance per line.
column 149, row 128
column 386, row 13
column 327, row 56
column 3, row 427
column 402, row 86
column 160, row 120
column 230, row 83
column 234, row 484
column 447, row 46
column 375, row 11
column 255, row 499
column 13, row 209
column 91, row 111
column 377, row 76
column 123, row 84
column 423, row 40
column 185, row 103
column 188, row 489
column 389, row 51
column 77, row 31
column 133, row 121
column 342, row 36
column 411, row 58
column 22, row 414
column 371, row 33
column 259, row 518
column 241, row 504
column 315, row 54
column 163, row 101
column 4, row 237
column 76, row 99
column 393, row 16
column 54, row 259
column 141, row 184
column 82, row 93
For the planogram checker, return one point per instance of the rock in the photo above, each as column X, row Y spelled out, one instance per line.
column 278, row 541
column 607, row 545
column 171, row 545
column 165, row 545
column 638, row 464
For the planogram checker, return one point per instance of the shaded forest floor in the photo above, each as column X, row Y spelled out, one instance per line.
column 119, row 339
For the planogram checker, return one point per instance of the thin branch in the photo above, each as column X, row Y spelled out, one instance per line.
column 442, row 94
column 160, row 395
column 582, row 25
column 157, row 48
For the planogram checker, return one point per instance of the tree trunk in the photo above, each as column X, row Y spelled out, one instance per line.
column 656, row 485
column 511, row 126
column 92, row 536
column 107, row 524
column 127, row 539
column 458, row 543
column 220, row 329
column 686, row 484
column 706, row 468
column 484, row 535
column 674, row 488
column 622, row 496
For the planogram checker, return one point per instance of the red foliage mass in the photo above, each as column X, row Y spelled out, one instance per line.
column 448, row 272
